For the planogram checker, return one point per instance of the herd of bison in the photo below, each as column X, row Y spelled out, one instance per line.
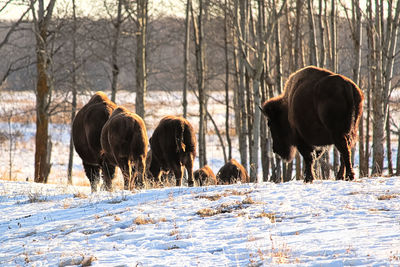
column 317, row 108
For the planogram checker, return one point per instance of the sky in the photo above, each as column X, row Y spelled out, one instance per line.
column 90, row 7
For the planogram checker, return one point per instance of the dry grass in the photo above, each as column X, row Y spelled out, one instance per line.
column 387, row 197
column 210, row 197
column 270, row 216
column 140, row 220
column 207, row 212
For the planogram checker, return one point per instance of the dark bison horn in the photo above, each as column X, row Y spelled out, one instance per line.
column 262, row 111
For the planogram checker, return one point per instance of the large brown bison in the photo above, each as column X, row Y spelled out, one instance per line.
column 173, row 146
column 86, row 130
column 232, row 172
column 124, row 142
column 317, row 108
column 205, row 176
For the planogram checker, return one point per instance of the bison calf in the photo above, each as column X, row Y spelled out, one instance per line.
column 86, row 130
column 173, row 146
column 232, row 172
column 318, row 108
column 124, row 143
column 205, row 176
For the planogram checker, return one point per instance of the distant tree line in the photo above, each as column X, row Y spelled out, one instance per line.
column 244, row 49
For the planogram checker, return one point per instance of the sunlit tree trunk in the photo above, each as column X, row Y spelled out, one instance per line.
column 41, row 23
column 141, row 70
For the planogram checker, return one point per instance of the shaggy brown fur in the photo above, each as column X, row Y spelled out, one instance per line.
column 173, row 146
column 86, row 130
column 124, row 142
column 317, row 108
column 205, row 176
column 232, row 172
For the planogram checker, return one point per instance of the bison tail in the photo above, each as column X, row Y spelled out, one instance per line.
column 179, row 139
column 357, row 109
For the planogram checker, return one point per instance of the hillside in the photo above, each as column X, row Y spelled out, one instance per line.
column 325, row 223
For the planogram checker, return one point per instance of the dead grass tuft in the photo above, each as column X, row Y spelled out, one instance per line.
column 140, row 220
column 207, row 212
column 80, row 195
column 211, row 197
column 34, row 197
column 248, row 201
column 271, row 216
column 387, row 197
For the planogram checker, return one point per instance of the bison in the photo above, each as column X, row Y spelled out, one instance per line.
column 173, row 146
column 124, row 144
column 317, row 108
column 86, row 130
column 232, row 172
column 205, row 176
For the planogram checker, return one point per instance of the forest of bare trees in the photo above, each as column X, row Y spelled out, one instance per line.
column 243, row 49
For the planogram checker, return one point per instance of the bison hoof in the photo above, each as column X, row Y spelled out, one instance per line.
column 190, row 183
column 308, row 180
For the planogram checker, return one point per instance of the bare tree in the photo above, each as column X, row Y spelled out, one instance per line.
column 74, row 91
column 227, row 70
column 198, row 27
column 41, row 20
column 186, row 52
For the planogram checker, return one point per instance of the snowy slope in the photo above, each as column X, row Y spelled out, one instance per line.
column 333, row 223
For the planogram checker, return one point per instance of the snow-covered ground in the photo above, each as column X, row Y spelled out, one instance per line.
column 333, row 223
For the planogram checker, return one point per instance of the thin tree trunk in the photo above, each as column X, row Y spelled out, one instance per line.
column 398, row 154
column 74, row 93
column 227, row 128
column 313, row 40
column 377, row 102
column 186, row 59
column 241, row 16
column 141, row 71
column 114, row 52
column 389, row 145
column 199, row 44
column 321, row 34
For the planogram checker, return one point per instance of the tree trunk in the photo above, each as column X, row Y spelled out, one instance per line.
column 114, row 52
column 186, row 54
column 199, row 44
column 42, row 164
column 227, row 128
column 377, row 102
column 398, row 154
column 141, row 71
column 313, row 40
column 74, row 93
column 241, row 16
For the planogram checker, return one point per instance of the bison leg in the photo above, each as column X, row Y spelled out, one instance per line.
column 189, row 168
column 178, row 171
column 140, row 166
column 126, row 170
column 307, row 153
column 340, row 174
column 108, row 175
column 93, row 174
column 343, row 146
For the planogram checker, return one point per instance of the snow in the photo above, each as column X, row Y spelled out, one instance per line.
column 333, row 223
column 327, row 223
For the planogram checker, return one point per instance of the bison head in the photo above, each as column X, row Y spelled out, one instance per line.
column 276, row 111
